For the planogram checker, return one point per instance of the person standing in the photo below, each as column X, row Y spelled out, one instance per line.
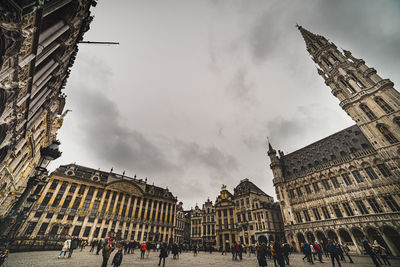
column 117, row 260
column 65, row 248
column 286, row 251
column 195, row 250
column 333, row 251
column 240, row 251
column 307, row 252
column 163, row 254
column 279, row 254
column 74, row 245
column 106, row 254
column 143, row 248
column 261, row 256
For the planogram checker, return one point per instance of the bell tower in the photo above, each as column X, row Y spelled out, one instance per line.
column 372, row 102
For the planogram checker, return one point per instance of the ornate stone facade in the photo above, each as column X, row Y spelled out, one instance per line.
column 345, row 186
column 88, row 203
column 246, row 216
column 38, row 45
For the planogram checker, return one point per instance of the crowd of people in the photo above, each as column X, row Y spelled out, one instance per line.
column 277, row 251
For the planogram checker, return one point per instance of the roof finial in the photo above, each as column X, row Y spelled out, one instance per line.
column 298, row 26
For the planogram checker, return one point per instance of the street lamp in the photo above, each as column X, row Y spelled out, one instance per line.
column 13, row 220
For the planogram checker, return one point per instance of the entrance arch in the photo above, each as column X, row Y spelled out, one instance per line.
column 321, row 237
column 310, row 237
column 373, row 235
column 300, row 238
column 332, row 235
column 358, row 235
column 262, row 239
column 345, row 236
column 393, row 237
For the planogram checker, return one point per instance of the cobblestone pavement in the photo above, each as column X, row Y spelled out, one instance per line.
column 86, row 259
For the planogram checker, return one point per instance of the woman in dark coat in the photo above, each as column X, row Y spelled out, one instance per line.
column 163, row 254
column 261, row 256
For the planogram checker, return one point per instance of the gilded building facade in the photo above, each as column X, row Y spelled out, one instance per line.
column 38, row 46
column 345, row 186
column 247, row 216
column 87, row 203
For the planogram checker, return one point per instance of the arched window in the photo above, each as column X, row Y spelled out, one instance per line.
column 347, row 85
column 313, row 47
column 333, row 56
column 387, row 134
column 359, row 83
column 327, row 62
column 319, row 42
column 368, row 112
column 388, row 109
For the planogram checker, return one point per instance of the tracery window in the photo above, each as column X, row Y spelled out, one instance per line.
column 358, row 82
column 357, row 176
column 347, row 85
column 384, row 170
column 346, row 179
column 388, row 109
column 387, row 134
column 361, row 207
column 368, row 112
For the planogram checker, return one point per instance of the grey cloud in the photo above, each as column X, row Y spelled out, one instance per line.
column 240, row 88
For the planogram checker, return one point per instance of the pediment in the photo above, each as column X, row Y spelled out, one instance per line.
column 125, row 187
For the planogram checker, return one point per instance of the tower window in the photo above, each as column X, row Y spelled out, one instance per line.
column 368, row 112
column 359, row 83
column 397, row 121
column 388, row 109
column 333, row 56
column 387, row 134
column 327, row 62
column 347, row 85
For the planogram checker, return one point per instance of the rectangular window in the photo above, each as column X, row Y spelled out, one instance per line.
column 326, row 185
column 86, row 203
column 337, row 211
column 247, row 202
column 237, row 203
column 49, row 215
column 57, row 200
column 54, row 184
column 62, row 187
column 316, row 214
column 291, row 193
column 96, row 205
column 384, row 170
column 60, row 216
column 81, row 218
column 346, row 179
column 361, row 207
column 299, row 193
column 72, row 188
column 66, row 202
column 43, row 228
column 357, row 176
column 249, row 216
column 96, row 232
column 335, row 182
column 316, row 187
column 347, row 209
column 82, row 189
column 391, row 203
column 308, row 189
column 306, row 215
column 374, row 205
column 76, row 203
column 298, row 217
column 46, row 199
column 371, row 173
column 104, row 233
column 30, row 228
column 87, row 231
column 327, row 215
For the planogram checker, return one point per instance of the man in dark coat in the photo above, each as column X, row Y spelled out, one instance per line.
column 74, row 245
column 370, row 252
column 261, row 256
column 106, row 254
column 163, row 254
column 99, row 246
column 334, row 252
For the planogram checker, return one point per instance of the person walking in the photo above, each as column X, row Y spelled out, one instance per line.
column 240, row 251
column 65, row 248
column 175, row 251
column 318, row 251
column 163, row 254
column 279, row 254
column 99, row 246
column 106, row 254
column 333, row 251
column 307, row 252
column 368, row 249
column 261, row 256
column 286, row 251
column 195, row 250
column 143, row 248
column 117, row 260
column 4, row 256
column 346, row 251
column 74, row 245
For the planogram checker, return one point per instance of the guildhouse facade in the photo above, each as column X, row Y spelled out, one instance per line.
column 86, row 203
column 38, row 46
column 247, row 216
column 345, row 186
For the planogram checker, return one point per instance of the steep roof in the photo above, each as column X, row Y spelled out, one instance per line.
column 245, row 186
column 333, row 147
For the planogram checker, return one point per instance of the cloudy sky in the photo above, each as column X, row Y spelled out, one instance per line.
column 193, row 90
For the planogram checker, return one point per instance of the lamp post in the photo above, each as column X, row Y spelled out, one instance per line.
column 10, row 224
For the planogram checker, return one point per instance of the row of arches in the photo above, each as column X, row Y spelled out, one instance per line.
column 387, row 237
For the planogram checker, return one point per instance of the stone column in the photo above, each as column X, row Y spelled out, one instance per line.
column 355, row 242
